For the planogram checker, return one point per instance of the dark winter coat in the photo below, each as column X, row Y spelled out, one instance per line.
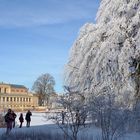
column 8, row 117
column 21, row 119
column 28, row 116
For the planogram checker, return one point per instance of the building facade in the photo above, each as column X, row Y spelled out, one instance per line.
column 16, row 97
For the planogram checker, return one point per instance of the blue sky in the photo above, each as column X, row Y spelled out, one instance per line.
column 36, row 36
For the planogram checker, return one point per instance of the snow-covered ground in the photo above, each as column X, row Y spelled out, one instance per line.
column 36, row 119
column 39, row 124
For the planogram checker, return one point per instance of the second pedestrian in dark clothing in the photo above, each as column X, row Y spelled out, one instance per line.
column 21, row 120
column 28, row 118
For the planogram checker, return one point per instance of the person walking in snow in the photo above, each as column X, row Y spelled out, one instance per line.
column 63, row 116
column 8, row 119
column 21, row 120
column 28, row 118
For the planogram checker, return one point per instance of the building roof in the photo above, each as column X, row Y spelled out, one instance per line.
column 13, row 85
column 17, row 86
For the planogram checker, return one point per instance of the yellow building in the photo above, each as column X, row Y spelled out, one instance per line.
column 16, row 97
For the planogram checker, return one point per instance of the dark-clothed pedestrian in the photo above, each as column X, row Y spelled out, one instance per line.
column 21, row 120
column 28, row 118
column 8, row 119
column 63, row 116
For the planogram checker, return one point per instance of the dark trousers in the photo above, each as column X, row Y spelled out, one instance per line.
column 62, row 120
column 9, row 127
column 28, row 124
column 20, row 124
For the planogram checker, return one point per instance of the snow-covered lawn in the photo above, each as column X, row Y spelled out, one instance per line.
column 40, row 125
column 36, row 119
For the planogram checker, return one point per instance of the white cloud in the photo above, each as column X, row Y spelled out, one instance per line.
column 43, row 12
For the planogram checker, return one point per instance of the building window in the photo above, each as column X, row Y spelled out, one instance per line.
column 7, row 99
column 4, row 90
column 26, row 99
column 3, row 99
column 29, row 99
column 21, row 99
column 0, row 90
column 11, row 99
column 17, row 99
column 14, row 98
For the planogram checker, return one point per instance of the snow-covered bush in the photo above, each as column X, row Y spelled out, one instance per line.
column 75, row 114
column 110, row 116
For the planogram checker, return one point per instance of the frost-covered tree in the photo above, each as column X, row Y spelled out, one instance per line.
column 101, row 54
column 104, row 64
column 44, row 86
